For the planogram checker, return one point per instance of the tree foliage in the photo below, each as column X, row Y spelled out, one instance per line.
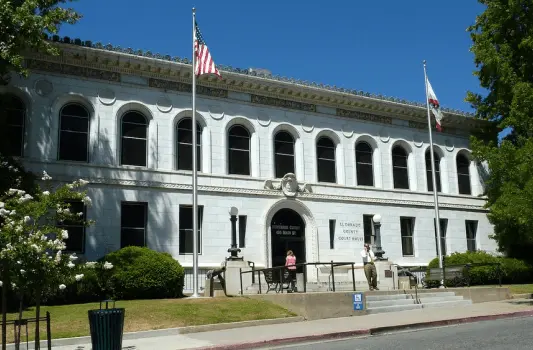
column 503, row 48
column 23, row 24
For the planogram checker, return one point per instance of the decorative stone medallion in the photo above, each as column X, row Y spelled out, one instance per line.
column 263, row 118
column 305, row 128
column 288, row 185
column 107, row 96
column 216, row 112
column 449, row 145
column 164, row 104
column 417, row 140
column 43, row 87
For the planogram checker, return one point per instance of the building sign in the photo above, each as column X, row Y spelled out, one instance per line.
column 358, row 304
column 349, row 231
column 286, row 230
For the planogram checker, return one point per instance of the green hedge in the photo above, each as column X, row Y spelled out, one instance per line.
column 142, row 273
column 137, row 273
column 513, row 271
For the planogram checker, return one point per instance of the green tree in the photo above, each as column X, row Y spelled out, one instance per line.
column 503, row 48
column 23, row 24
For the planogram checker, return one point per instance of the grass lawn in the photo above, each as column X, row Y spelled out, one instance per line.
column 72, row 320
column 520, row 288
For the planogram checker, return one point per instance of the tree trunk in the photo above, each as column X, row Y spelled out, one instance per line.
column 37, row 315
column 5, row 279
column 19, row 327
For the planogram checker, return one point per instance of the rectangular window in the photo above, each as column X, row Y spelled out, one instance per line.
column 443, row 227
column 76, row 230
column 185, row 229
column 133, row 224
column 407, row 228
column 368, row 228
column 471, row 231
column 242, row 230
column 332, row 224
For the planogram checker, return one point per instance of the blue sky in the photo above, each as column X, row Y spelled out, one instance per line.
column 376, row 46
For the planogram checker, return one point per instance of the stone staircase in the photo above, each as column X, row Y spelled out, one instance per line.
column 313, row 287
column 379, row 303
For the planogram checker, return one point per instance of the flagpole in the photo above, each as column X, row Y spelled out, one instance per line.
column 434, row 178
column 194, row 167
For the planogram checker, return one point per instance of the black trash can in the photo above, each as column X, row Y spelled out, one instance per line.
column 107, row 327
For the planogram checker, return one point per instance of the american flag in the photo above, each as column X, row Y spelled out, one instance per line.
column 204, row 61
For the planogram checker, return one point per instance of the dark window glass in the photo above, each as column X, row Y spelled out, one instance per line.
column 12, row 124
column 400, row 171
column 463, row 174
column 242, row 231
column 429, row 177
column 325, row 153
column 133, row 224
column 443, row 227
column 238, row 150
column 134, row 139
column 407, row 227
column 283, row 153
column 185, row 229
column 471, row 232
column 74, row 133
column 364, row 167
column 184, row 144
column 368, row 230
column 76, row 230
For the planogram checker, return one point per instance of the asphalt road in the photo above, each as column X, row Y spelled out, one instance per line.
column 489, row 335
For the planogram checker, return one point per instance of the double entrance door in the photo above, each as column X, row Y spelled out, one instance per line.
column 287, row 233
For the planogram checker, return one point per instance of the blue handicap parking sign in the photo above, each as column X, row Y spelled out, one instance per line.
column 358, row 301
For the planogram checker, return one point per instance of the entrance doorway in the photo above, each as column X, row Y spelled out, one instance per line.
column 287, row 233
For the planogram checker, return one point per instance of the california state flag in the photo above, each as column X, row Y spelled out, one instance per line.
column 435, row 106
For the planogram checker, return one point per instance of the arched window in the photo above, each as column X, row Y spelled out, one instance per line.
column 325, row 158
column 463, row 174
column 363, row 163
column 238, row 150
column 283, row 153
column 437, row 171
column 400, row 170
column 12, row 123
column 184, row 145
column 74, row 133
column 134, row 139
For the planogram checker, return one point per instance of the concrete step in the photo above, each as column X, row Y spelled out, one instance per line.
column 380, row 297
column 425, row 300
column 434, row 294
column 383, row 309
column 390, row 302
column 447, row 304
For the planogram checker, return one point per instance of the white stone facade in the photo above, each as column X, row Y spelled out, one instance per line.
column 164, row 188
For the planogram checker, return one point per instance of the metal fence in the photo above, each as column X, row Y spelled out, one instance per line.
column 188, row 285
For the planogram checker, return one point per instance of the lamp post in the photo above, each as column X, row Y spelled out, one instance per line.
column 378, row 252
column 233, row 212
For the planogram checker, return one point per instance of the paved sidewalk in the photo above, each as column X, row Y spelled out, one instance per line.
column 254, row 337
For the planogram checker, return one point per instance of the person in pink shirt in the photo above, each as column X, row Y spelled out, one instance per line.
column 290, row 263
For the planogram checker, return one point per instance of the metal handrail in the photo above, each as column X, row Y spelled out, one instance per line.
column 332, row 264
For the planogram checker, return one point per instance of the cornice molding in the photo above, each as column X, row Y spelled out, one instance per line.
column 127, row 61
column 269, row 193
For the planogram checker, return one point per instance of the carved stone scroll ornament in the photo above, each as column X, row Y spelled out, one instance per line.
column 288, row 185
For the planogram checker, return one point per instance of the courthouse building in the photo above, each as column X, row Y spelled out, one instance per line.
column 306, row 165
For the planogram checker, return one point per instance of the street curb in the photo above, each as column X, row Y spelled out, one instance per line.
column 170, row 331
column 365, row 332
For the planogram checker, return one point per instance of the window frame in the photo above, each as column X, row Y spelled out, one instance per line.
column 145, row 221
column 23, row 111
column 278, row 155
column 199, row 147
column 429, row 175
column 122, row 137
column 334, row 160
column 87, row 133
column 371, row 164
column 475, row 223
column 229, row 150
column 81, row 226
column 461, row 156
column 405, row 237
column 200, row 230
column 406, row 168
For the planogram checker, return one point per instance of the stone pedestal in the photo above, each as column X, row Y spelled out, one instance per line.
column 233, row 277
column 387, row 275
column 404, row 283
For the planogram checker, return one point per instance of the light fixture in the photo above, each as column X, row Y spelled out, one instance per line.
column 233, row 211
column 376, row 218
